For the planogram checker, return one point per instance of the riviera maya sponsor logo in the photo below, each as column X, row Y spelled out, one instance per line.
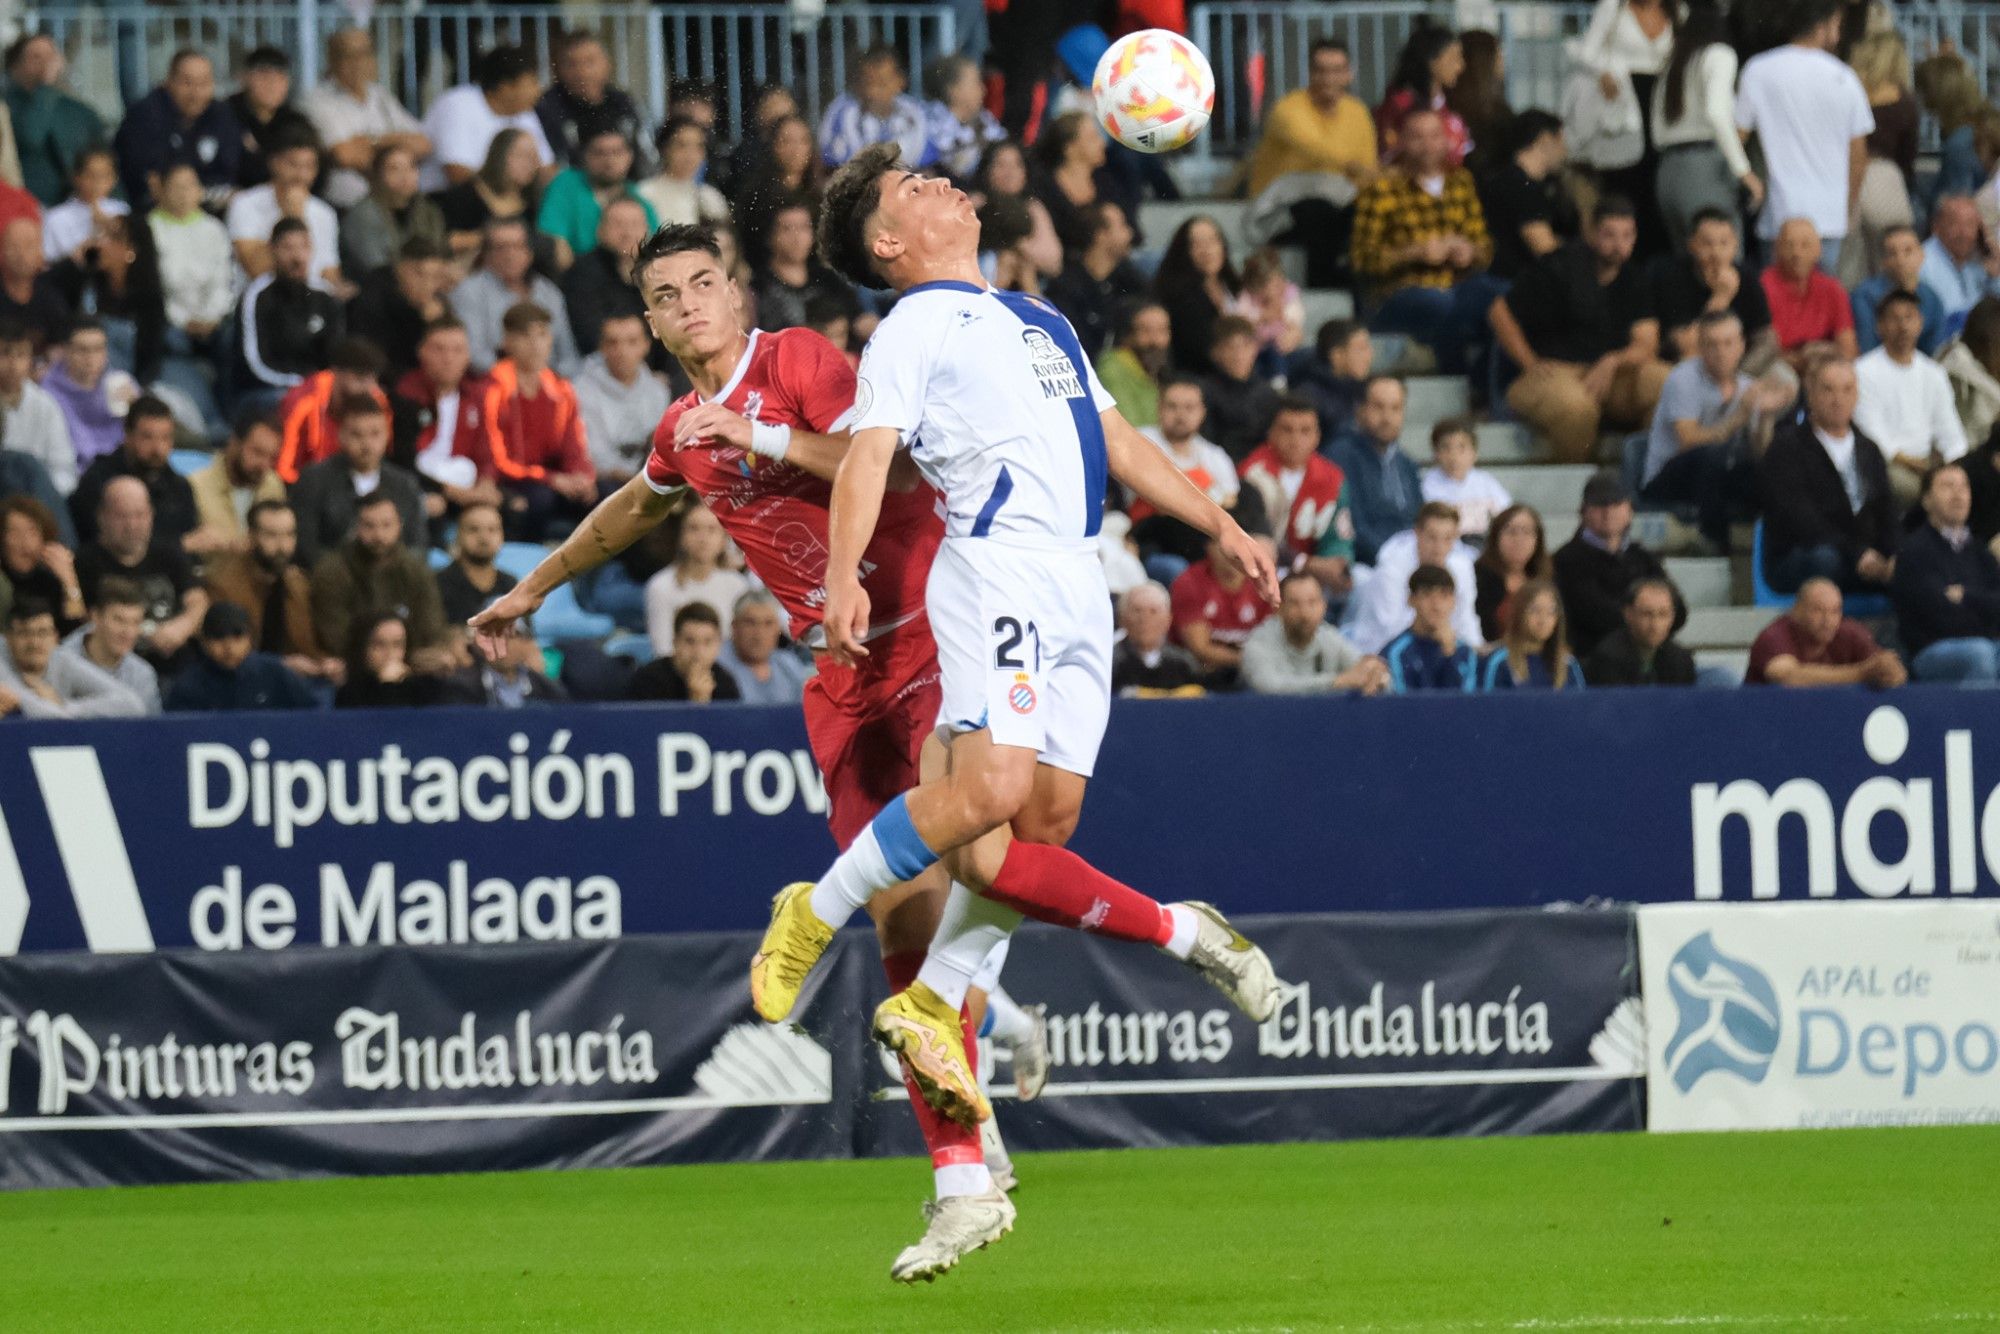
column 1728, row 1016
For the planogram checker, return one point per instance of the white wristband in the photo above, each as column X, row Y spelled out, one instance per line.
column 771, row 442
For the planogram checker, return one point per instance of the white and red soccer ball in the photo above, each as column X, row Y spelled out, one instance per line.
column 1154, row 91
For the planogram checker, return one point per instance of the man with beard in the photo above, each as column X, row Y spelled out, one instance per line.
column 276, row 594
column 1131, row 370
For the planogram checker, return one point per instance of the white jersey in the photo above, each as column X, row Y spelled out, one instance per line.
column 998, row 405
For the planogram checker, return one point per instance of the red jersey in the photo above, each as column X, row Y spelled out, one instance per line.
column 1315, row 505
column 777, row 512
column 1200, row 599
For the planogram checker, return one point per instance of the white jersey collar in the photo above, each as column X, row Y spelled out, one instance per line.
column 742, row 369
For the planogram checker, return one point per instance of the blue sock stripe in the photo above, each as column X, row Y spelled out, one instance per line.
column 901, row 846
column 986, row 1023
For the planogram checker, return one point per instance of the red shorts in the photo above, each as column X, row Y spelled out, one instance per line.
column 868, row 725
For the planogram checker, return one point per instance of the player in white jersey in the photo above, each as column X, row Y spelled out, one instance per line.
column 993, row 396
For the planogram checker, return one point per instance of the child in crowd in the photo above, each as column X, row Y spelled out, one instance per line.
column 196, row 263
column 831, row 316
column 1454, row 481
column 1429, row 655
column 93, row 396
column 71, row 227
column 1335, row 377
column 1272, row 304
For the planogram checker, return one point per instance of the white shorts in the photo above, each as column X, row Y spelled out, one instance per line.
column 1024, row 645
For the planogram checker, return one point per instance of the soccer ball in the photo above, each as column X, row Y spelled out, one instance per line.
column 1154, row 91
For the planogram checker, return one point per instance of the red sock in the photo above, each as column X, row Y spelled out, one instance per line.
column 950, row 1144
column 1055, row 885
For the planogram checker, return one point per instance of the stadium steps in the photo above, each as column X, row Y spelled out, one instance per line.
column 1551, row 488
column 1323, row 304
column 1159, row 218
column 1732, row 660
column 1724, row 627
column 1435, row 397
column 1705, row 581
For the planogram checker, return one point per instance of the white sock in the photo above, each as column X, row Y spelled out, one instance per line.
column 853, row 879
column 963, row 1179
column 988, row 977
column 967, row 932
column 1187, row 924
column 1010, row 1022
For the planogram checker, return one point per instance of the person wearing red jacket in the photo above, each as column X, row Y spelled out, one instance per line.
column 1298, row 483
column 534, row 431
column 306, row 414
column 441, row 422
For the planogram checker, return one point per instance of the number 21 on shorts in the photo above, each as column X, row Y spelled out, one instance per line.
column 1017, row 651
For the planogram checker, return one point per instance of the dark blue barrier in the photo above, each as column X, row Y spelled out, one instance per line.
column 471, row 827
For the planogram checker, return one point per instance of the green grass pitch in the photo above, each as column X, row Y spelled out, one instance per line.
column 1872, row 1231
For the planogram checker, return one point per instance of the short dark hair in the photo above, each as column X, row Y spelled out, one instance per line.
column 1529, row 126
column 1175, row 380
column 1613, row 206
column 676, row 238
column 1711, row 214
column 263, row 507
column 1327, row 44
column 117, row 591
column 617, row 316
column 356, row 406
column 672, row 126
column 1385, row 377
column 1227, row 327
column 1432, row 579
column 1894, row 297
column 1296, row 576
column 27, row 609
column 876, row 55
column 420, row 250
column 501, row 66
column 1294, row 403
column 690, row 89
column 289, row 227
column 19, row 47
column 1436, row 509
column 225, row 620
column 358, row 356
column 254, row 418
column 696, row 613
column 942, row 73
column 13, row 331
column 373, row 499
column 1713, row 319
column 442, row 324
column 146, row 407
column 1452, row 426
column 182, row 56
column 1808, row 15
column 83, row 324
column 851, row 198
column 1898, row 229
column 1334, row 335
column 267, row 57
column 1930, row 477
column 826, row 306
column 1127, row 314
column 1638, row 586
column 523, row 316
column 291, row 137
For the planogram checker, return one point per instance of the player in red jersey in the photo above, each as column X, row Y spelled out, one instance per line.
column 759, row 440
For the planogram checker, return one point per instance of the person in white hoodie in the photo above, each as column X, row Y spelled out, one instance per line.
column 622, row 400
column 197, row 267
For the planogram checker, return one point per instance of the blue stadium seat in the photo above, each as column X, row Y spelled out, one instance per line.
column 562, row 618
column 188, row 462
column 520, row 559
column 638, row 648
column 1861, row 606
column 438, row 557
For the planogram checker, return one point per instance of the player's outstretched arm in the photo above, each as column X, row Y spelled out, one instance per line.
column 857, row 504
column 625, row 516
column 1143, row 466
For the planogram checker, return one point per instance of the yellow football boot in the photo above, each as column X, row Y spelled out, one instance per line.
column 918, row 1026
column 792, row 945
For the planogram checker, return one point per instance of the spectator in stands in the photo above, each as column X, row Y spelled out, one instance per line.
column 1427, row 69
column 144, row 454
column 375, row 571
column 1904, row 403
column 111, row 640
column 1007, row 247
column 764, row 673
column 1380, row 607
column 1196, row 284
column 958, row 124
column 1480, row 99
column 358, row 119
column 197, row 269
column 1947, row 88
column 474, row 579
column 535, row 431
column 1811, row 117
column 598, row 287
column 79, row 222
column 119, row 282
column 1594, row 568
column 793, row 169
column 1516, row 554
column 504, row 279
column 516, row 679
column 329, row 495
column 1337, row 376
column 879, row 110
column 228, row 675
column 262, row 107
column 28, row 291
column 1455, row 479
column 38, row 682
column 463, row 121
column 1275, row 308
column 394, row 212
column 398, row 303
column 1069, row 158
column 1712, row 424
column 1901, row 271
column 1693, row 122
column 832, row 318
column 1140, row 354
column 583, row 102
column 307, row 415
column 690, row 671
column 576, row 198
column 794, row 274
column 35, row 563
column 739, row 165
column 1580, row 325
column 1882, row 62
column 1972, row 360
column 621, row 400
column 1304, row 494
column 1183, row 411
column 1143, row 660
column 1241, row 403
column 1430, row 655
column 1421, row 245
column 238, row 479
column 1642, row 651
column 289, row 321
column 50, row 128
column 1958, row 266
column 1215, row 607
column 263, row 580
column 94, row 398
column 438, row 424
column 1947, row 589
column 125, row 548
column 1384, row 491
column 1816, row 644
column 180, row 121
column 1534, row 652
column 1708, row 279
column 1297, row 653
column 1829, row 512
column 697, row 575
column 1809, row 310
column 1528, row 211
column 32, row 423
column 1318, row 150
column 678, row 194
column 379, row 674
column 1097, row 277
column 506, row 188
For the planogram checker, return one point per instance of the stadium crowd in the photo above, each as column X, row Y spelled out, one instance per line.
column 291, row 379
